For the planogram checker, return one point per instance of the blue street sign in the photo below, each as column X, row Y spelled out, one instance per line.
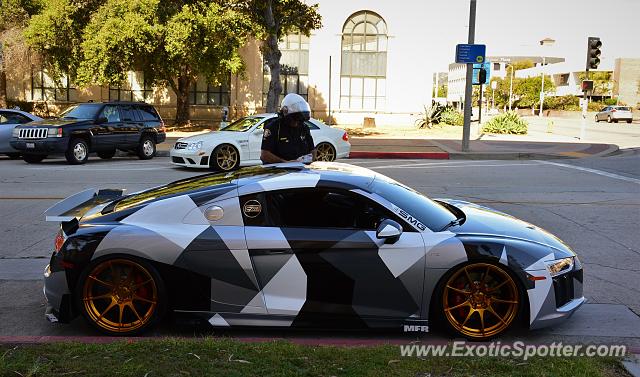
column 476, row 69
column 466, row 53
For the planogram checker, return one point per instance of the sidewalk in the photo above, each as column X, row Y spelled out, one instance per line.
column 410, row 145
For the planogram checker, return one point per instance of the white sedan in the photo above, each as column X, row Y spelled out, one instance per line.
column 239, row 144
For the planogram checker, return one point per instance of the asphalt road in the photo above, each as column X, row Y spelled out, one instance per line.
column 592, row 204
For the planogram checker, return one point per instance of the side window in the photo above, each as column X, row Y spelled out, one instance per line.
column 128, row 114
column 148, row 113
column 311, row 125
column 111, row 113
column 13, row 118
column 313, row 208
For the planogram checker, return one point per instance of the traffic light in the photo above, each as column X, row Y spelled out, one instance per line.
column 482, row 76
column 593, row 52
column 587, row 85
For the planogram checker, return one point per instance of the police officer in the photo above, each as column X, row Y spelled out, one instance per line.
column 288, row 138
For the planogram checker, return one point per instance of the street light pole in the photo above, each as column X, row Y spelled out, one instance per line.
column 542, row 86
column 511, row 88
column 468, row 90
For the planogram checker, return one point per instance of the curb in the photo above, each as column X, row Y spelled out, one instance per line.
column 401, row 155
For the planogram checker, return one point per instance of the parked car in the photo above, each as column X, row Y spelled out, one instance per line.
column 615, row 114
column 92, row 127
column 9, row 119
column 239, row 144
column 327, row 245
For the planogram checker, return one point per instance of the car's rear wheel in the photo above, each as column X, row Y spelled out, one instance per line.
column 121, row 296
column 33, row 158
column 78, row 152
column 225, row 158
column 628, row 120
column 13, row 156
column 609, row 120
column 106, row 155
column 597, row 119
column 147, row 148
column 325, row 152
column 480, row 301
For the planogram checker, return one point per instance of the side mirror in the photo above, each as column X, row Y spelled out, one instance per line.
column 389, row 230
column 101, row 120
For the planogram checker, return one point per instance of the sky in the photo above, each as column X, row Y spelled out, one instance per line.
column 515, row 27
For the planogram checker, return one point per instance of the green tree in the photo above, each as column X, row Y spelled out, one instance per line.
column 273, row 20
column 171, row 42
column 14, row 16
column 527, row 90
column 602, row 81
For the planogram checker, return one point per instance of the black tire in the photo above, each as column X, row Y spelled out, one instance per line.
column 33, row 158
column 629, row 120
column 146, row 147
column 78, row 152
column 440, row 318
column 326, row 152
column 609, row 119
column 107, row 155
column 15, row 156
column 224, row 158
column 150, row 320
column 597, row 119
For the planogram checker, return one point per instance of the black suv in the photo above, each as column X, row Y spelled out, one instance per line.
column 92, row 127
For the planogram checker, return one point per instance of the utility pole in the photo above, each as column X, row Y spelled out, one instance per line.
column 329, row 120
column 542, row 86
column 511, row 87
column 480, row 106
column 468, row 90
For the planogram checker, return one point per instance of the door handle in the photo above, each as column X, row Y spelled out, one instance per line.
column 279, row 251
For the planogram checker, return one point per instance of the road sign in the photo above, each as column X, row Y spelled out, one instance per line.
column 470, row 53
column 476, row 69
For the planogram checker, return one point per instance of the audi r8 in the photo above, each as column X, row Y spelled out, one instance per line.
column 325, row 245
column 238, row 144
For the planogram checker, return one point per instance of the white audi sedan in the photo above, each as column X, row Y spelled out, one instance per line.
column 239, row 144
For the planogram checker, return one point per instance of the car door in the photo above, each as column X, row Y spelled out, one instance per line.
column 319, row 263
column 131, row 126
column 108, row 134
column 255, row 139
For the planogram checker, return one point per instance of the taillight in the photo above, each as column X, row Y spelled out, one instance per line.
column 60, row 238
column 613, row 110
column 345, row 137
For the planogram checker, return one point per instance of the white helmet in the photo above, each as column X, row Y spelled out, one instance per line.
column 294, row 105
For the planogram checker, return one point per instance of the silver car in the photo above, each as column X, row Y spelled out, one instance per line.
column 9, row 119
column 615, row 114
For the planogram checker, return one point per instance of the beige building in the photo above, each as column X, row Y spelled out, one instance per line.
column 367, row 60
column 626, row 81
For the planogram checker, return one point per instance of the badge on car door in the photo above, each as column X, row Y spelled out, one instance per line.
column 252, row 208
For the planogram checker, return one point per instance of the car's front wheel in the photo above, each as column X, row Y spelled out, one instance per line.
column 33, row 158
column 224, row 158
column 597, row 119
column 609, row 120
column 78, row 152
column 121, row 296
column 147, row 148
column 480, row 301
column 325, row 152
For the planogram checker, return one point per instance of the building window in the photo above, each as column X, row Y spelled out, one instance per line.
column 135, row 89
column 45, row 88
column 496, row 66
column 364, row 62
column 294, row 67
column 205, row 93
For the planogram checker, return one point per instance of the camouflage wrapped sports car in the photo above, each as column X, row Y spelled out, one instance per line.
column 325, row 245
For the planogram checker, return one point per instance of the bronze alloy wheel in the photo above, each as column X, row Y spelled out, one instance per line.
column 120, row 296
column 325, row 152
column 480, row 300
column 226, row 157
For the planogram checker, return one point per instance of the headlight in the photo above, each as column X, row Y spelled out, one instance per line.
column 195, row 146
column 55, row 132
column 15, row 132
column 559, row 266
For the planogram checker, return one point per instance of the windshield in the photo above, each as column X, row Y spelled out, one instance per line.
column 242, row 125
column 425, row 210
column 82, row 111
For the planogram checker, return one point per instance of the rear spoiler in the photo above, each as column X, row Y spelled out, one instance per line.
column 75, row 206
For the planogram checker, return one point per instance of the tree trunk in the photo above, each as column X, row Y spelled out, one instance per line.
column 272, row 56
column 3, row 81
column 182, row 100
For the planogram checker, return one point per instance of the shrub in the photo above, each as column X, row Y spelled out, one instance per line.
column 451, row 116
column 506, row 123
column 562, row 103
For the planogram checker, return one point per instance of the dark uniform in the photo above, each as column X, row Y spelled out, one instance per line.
column 288, row 143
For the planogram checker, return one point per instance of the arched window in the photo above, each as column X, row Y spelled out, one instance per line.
column 363, row 68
